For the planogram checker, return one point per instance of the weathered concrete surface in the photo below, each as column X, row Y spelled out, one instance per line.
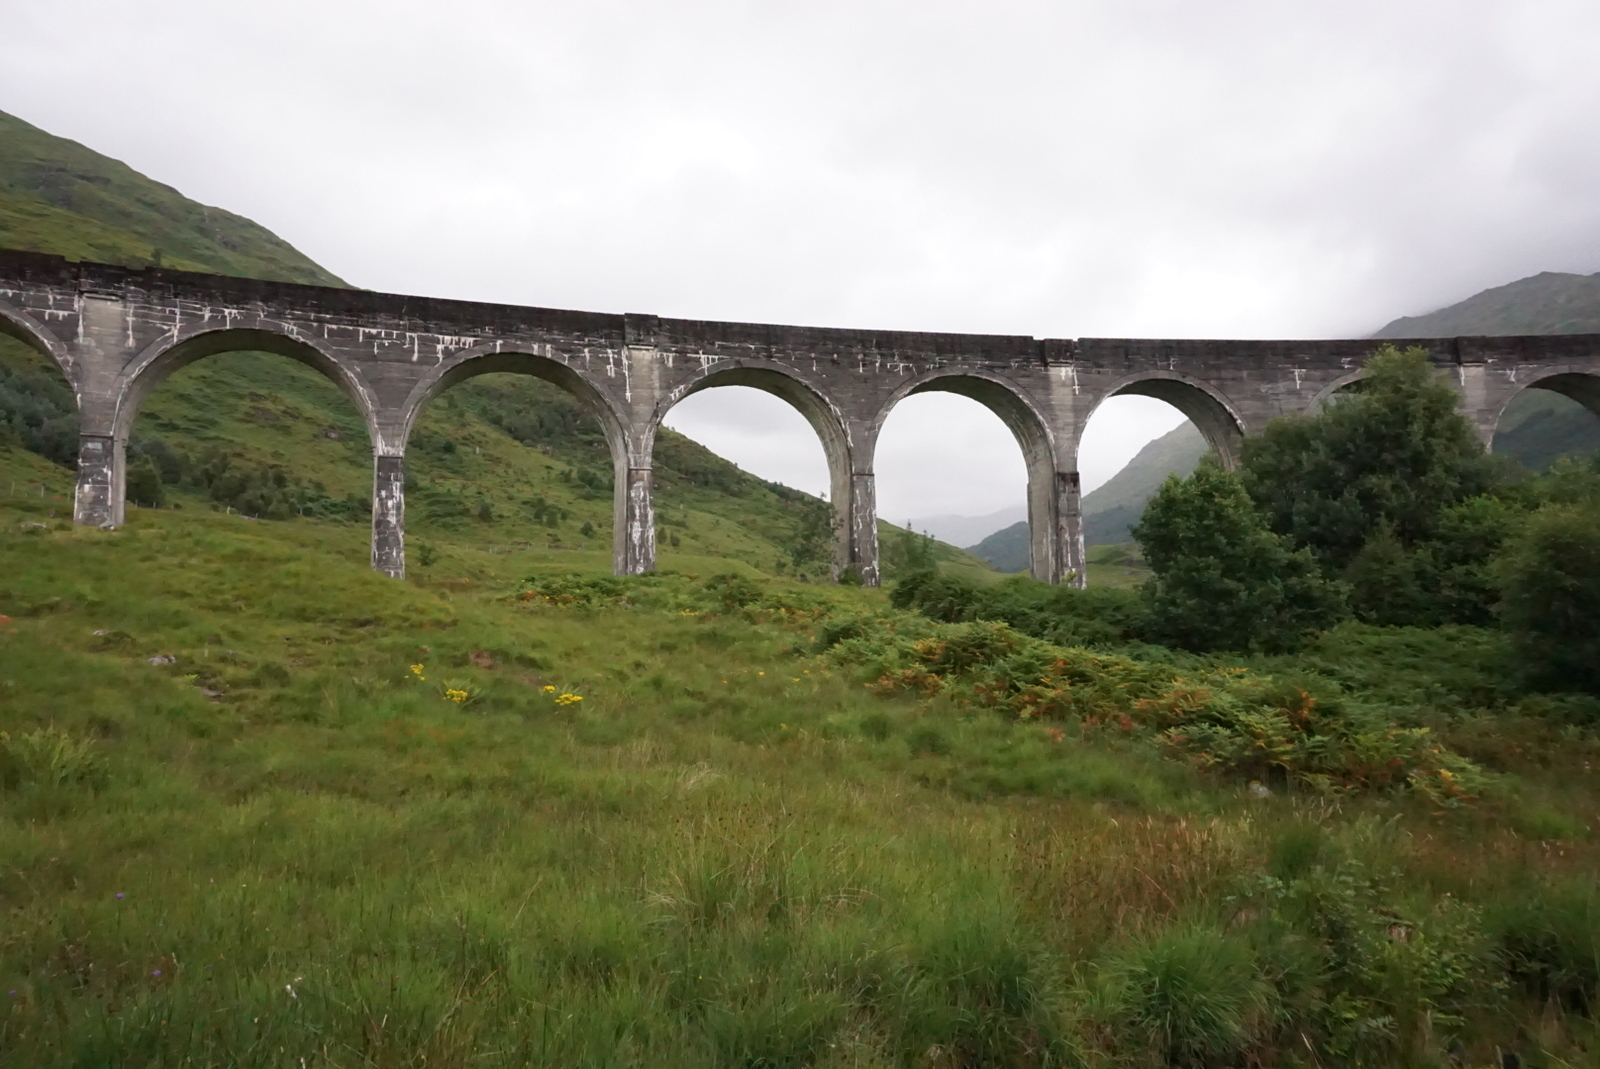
column 116, row 333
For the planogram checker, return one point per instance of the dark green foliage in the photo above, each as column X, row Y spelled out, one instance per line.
column 811, row 550
column 1222, row 579
column 1447, row 579
column 1098, row 616
column 1549, row 941
column 733, row 591
column 1550, row 585
column 533, row 412
column 1390, row 489
column 546, row 512
column 908, row 552
column 1394, row 451
column 144, row 483
column 38, row 411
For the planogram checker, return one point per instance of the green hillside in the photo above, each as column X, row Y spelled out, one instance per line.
column 59, row 197
column 1551, row 302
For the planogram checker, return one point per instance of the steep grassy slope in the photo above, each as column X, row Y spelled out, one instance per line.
column 60, row 197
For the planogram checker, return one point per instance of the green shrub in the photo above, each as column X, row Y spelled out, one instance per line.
column 50, row 758
column 1550, row 587
column 1548, row 940
column 1222, row 580
column 1100, row 616
column 1194, row 995
column 1393, row 450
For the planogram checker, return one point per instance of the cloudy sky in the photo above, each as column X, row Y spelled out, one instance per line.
column 1231, row 168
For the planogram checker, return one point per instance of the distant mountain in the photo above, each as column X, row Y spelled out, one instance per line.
column 1113, row 507
column 1538, row 426
column 963, row 530
column 59, row 197
column 1547, row 303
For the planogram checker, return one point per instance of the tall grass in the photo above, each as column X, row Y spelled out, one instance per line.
column 285, row 844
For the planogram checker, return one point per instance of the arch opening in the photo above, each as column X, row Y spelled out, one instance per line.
column 969, row 461
column 514, row 453
column 1213, row 417
column 1131, row 442
column 38, row 406
column 260, row 432
column 17, row 326
column 775, row 445
column 1550, row 418
column 247, row 343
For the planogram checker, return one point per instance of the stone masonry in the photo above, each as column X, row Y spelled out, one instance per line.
column 116, row 333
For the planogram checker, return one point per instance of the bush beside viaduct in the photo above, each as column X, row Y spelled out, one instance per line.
column 117, row 332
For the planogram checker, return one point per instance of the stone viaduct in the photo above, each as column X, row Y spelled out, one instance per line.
column 116, row 333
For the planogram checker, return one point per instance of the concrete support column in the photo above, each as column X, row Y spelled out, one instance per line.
column 101, row 498
column 1055, row 527
column 858, row 516
column 1069, row 529
column 389, row 516
column 634, row 543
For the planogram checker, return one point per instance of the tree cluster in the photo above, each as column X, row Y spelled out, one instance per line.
column 1384, row 507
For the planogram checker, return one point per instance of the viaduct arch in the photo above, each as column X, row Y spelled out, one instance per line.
column 116, row 332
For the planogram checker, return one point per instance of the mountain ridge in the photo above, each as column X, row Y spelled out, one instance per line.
column 59, row 196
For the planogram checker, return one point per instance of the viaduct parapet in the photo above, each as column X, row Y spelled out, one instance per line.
column 116, row 333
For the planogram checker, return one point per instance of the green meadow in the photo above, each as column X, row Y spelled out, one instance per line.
column 262, row 805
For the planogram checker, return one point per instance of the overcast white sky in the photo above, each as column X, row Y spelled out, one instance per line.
column 1227, row 168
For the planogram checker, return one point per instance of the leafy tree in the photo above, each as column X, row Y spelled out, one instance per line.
column 1377, row 487
column 1222, row 579
column 1550, row 591
column 1393, row 451
column 909, row 552
column 143, row 483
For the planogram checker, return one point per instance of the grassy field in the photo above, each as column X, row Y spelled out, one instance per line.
column 667, row 823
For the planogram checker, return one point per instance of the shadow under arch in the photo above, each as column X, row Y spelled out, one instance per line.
column 812, row 402
column 152, row 367
column 1211, row 413
column 19, row 325
column 1047, row 535
column 1580, row 386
